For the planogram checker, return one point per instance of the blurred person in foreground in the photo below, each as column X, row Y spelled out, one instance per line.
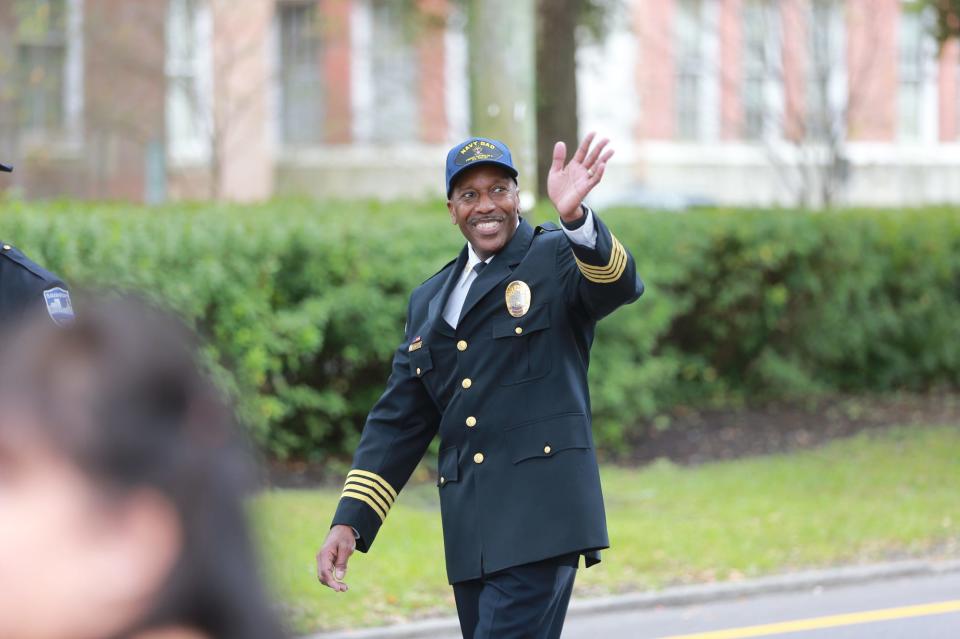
column 25, row 286
column 122, row 484
column 495, row 359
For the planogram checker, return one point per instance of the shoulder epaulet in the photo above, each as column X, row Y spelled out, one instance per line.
column 546, row 226
column 15, row 255
column 442, row 269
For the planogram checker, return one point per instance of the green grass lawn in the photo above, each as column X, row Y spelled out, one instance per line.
column 868, row 498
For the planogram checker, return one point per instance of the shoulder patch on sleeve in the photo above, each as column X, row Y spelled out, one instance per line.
column 59, row 306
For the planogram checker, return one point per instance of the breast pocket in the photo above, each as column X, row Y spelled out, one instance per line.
column 526, row 344
column 420, row 362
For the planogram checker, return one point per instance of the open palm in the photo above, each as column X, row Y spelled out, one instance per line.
column 568, row 185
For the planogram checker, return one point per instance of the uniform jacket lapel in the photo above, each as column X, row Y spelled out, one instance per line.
column 500, row 267
column 439, row 301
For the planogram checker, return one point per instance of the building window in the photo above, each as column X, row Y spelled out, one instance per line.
column 690, row 68
column 395, row 73
column 301, row 89
column 916, row 50
column 189, row 69
column 761, row 66
column 822, row 108
column 42, row 44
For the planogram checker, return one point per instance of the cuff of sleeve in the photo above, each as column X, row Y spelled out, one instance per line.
column 579, row 222
column 364, row 522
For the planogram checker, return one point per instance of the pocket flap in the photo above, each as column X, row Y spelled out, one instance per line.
column 420, row 362
column 547, row 437
column 448, row 469
column 536, row 320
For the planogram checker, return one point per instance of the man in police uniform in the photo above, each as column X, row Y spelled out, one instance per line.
column 26, row 288
column 495, row 358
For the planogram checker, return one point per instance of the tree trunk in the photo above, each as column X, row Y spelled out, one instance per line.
column 556, row 81
column 501, row 37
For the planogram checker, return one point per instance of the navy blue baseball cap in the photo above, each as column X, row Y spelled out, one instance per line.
column 477, row 151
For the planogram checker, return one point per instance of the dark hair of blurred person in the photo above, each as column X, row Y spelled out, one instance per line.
column 122, row 483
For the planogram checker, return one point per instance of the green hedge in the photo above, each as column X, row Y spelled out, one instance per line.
column 304, row 303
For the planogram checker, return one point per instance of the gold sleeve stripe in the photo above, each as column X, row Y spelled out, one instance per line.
column 361, row 497
column 613, row 277
column 372, row 487
column 366, row 473
column 617, row 259
column 609, row 273
column 369, row 492
column 615, row 251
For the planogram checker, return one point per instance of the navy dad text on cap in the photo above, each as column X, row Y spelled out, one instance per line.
column 477, row 151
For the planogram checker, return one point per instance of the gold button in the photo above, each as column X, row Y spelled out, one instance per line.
column 471, row 421
column 478, row 458
column 518, row 330
column 466, row 383
column 442, row 481
column 418, row 370
column 547, row 449
column 461, row 345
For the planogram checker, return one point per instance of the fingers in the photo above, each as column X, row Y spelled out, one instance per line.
column 598, row 173
column 591, row 158
column 344, row 550
column 595, row 173
column 325, row 559
column 559, row 156
column 581, row 153
column 332, row 565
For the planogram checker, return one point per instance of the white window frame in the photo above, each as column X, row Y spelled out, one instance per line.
column 279, row 96
column 456, row 74
column 773, row 91
column 928, row 108
column 837, row 87
column 70, row 134
column 696, row 70
column 189, row 143
column 364, row 86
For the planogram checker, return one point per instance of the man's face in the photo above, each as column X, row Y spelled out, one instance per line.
column 485, row 205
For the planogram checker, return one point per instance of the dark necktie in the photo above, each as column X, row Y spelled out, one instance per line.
column 479, row 266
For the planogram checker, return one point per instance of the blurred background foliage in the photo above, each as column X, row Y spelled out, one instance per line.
column 304, row 303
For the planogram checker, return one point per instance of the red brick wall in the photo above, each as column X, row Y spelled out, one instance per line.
column 653, row 20
column 731, row 69
column 431, row 54
column 335, row 61
column 872, row 68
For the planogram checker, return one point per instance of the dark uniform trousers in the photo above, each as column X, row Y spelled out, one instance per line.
column 26, row 288
column 507, row 393
column 523, row 602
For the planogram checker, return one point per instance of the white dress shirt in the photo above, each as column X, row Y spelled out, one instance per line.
column 585, row 235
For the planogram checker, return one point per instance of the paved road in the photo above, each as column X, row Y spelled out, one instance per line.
column 911, row 608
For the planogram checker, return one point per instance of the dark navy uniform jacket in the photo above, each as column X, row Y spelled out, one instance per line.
column 517, row 470
column 27, row 288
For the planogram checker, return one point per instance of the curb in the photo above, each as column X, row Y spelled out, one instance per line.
column 686, row 595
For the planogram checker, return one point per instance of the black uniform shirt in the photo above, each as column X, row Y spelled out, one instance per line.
column 26, row 287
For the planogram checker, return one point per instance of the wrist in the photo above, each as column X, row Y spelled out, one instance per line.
column 576, row 220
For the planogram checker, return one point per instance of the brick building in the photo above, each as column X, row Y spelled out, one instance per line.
column 740, row 101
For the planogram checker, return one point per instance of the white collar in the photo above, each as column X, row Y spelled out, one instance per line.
column 473, row 259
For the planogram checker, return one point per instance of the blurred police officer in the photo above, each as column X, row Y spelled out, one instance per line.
column 25, row 286
column 495, row 360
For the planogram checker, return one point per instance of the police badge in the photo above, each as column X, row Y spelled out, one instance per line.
column 518, row 298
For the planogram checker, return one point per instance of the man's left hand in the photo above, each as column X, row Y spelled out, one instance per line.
column 568, row 185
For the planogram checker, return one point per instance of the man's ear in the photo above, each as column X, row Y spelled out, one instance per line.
column 453, row 214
